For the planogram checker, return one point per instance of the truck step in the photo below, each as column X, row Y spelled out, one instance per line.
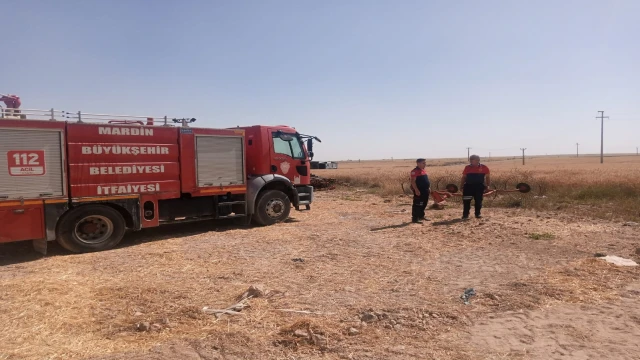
column 187, row 220
column 232, row 203
column 232, row 216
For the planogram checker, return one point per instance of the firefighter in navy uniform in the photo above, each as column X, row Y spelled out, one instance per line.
column 420, row 186
column 475, row 179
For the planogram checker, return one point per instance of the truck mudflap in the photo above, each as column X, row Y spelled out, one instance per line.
column 53, row 210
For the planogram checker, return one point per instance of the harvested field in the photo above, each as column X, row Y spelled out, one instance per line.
column 351, row 279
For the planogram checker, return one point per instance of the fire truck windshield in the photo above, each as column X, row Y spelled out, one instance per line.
column 288, row 144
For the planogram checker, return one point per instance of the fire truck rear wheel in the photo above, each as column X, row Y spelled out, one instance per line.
column 273, row 206
column 91, row 228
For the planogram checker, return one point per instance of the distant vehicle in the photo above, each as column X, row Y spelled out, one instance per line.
column 324, row 165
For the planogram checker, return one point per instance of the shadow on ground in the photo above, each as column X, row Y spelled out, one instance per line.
column 392, row 226
column 447, row 222
column 22, row 251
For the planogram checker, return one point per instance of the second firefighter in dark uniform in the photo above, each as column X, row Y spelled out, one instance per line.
column 475, row 179
column 421, row 187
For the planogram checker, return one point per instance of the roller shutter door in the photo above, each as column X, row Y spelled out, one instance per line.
column 30, row 163
column 220, row 160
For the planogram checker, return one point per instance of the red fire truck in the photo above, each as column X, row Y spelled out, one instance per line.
column 83, row 179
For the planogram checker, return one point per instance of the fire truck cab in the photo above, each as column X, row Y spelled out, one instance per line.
column 84, row 182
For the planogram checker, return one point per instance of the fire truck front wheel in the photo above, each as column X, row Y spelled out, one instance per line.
column 272, row 206
column 91, row 228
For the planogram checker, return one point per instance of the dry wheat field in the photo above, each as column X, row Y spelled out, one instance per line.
column 579, row 185
column 560, row 170
column 353, row 279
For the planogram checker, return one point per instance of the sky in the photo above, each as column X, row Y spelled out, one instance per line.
column 372, row 79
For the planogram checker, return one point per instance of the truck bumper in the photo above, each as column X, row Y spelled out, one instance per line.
column 305, row 196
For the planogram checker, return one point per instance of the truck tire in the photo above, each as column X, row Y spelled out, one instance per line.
column 91, row 228
column 273, row 206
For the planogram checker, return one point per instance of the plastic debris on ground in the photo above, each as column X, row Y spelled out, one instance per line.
column 616, row 260
column 468, row 293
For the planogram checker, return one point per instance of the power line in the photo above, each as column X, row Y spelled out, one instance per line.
column 523, row 149
column 601, row 117
column 493, row 149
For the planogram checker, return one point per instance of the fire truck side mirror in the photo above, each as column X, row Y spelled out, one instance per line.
column 310, row 146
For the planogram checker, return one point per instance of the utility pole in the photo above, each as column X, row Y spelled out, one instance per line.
column 523, row 149
column 577, row 153
column 468, row 154
column 636, row 151
column 602, row 117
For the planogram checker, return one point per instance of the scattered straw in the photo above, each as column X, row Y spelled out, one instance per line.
column 358, row 256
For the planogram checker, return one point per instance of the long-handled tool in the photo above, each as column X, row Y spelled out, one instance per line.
column 452, row 190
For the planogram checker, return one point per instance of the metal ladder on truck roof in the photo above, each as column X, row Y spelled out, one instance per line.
column 60, row 115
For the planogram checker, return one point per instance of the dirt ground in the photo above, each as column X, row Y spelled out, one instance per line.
column 373, row 286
